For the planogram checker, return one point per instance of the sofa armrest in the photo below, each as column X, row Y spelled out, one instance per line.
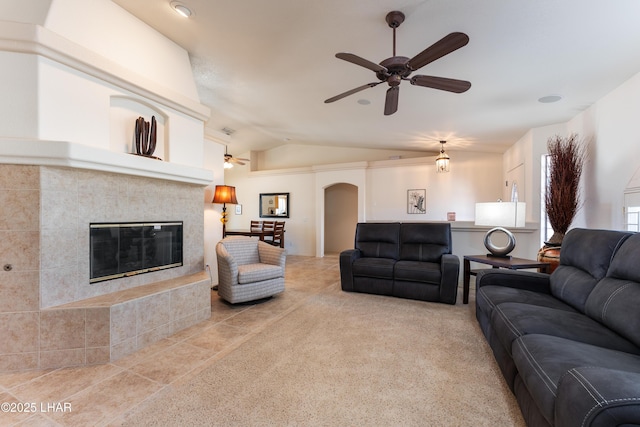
column 450, row 267
column 270, row 254
column 527, row 280
column 347, row 258
column 594, row 396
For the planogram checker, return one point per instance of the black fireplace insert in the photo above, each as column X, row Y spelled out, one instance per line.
column 125, row 249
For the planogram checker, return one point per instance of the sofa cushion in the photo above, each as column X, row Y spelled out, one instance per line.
column 488, row 297
column 250, row 273
column 512, row 320
column 584, row 260
column 542, row 361
column 616, row 298
column 424, row 241
column 415, row 271
column 378, row 240
column 381, row 268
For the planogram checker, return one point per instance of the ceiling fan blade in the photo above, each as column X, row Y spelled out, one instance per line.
column 442, row 83
column 242, row 160
column 351, row 92
column 391, row 103
column 355, row 59
column 442, row 47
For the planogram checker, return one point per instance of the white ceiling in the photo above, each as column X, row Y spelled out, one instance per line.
column 265, row 67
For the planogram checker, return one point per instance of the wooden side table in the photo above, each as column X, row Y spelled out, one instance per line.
column 511, row 263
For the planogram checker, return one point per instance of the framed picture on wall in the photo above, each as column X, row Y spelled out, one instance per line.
column 416, row 201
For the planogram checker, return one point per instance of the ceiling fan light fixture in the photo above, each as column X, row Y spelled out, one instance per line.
column 228, row 165
column 442, row 161
column 181, row 9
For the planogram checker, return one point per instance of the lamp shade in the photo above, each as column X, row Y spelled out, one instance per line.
column 501, row 214
column 225, row 194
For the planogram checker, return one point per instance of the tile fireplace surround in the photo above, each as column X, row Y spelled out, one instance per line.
column 50, row 316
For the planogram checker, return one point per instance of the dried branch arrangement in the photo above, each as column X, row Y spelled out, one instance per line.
column 567, row 156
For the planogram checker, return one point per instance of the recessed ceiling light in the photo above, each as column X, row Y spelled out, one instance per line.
column 549, row 99
column 364, row 102
column 181, row 9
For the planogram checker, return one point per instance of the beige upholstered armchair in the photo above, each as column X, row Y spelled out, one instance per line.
column 249, row 269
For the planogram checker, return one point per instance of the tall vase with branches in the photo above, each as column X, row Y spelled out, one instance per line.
column 562, row 199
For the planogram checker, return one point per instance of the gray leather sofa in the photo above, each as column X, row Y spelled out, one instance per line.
column 568, row 344
column 407, row 260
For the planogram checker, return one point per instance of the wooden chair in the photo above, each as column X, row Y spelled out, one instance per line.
column 256, row 225
column 268, row 225
column 278, row 235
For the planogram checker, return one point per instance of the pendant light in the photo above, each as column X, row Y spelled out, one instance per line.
column 442, row 161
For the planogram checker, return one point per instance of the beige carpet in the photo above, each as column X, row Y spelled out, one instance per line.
column 348, row 359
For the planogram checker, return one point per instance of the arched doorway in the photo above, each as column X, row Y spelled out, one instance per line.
column 340, row 217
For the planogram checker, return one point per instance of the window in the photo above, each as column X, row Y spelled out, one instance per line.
column 632, row 210
column 546, row 231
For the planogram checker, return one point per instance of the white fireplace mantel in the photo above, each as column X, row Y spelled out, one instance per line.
column 73, row 155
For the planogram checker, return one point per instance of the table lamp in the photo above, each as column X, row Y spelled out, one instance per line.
column 500, row 215
column 224, row 194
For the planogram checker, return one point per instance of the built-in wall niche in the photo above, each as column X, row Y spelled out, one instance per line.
column 123, row 113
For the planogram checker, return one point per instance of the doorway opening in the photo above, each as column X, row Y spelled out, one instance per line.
column 340, row 217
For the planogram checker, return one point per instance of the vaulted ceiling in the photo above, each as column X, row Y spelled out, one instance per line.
column 266, row 67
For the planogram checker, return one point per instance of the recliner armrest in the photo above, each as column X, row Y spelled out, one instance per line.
column 527, row 280
column 270, row 254
column 347, row 257
column 594, row 396
column 450, row 268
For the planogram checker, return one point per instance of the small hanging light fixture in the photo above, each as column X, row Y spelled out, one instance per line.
column 442, row 161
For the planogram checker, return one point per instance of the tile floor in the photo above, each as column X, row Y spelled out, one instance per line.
column 103, row 394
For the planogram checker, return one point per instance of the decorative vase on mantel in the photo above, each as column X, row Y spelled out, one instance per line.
column 562, row 200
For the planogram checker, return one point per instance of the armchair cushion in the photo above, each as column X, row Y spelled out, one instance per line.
column 250, row 273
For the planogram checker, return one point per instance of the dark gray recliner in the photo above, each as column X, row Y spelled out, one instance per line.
column 407, row 260
column 568, row 343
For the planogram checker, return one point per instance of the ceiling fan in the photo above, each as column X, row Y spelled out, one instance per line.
column 229, row 160
column 397, row 68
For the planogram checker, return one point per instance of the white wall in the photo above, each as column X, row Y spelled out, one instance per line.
column 382, row 192
column 300, row 231
column 97, row 26
column 213, row 159
column 612, row 128
column 296, row 155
